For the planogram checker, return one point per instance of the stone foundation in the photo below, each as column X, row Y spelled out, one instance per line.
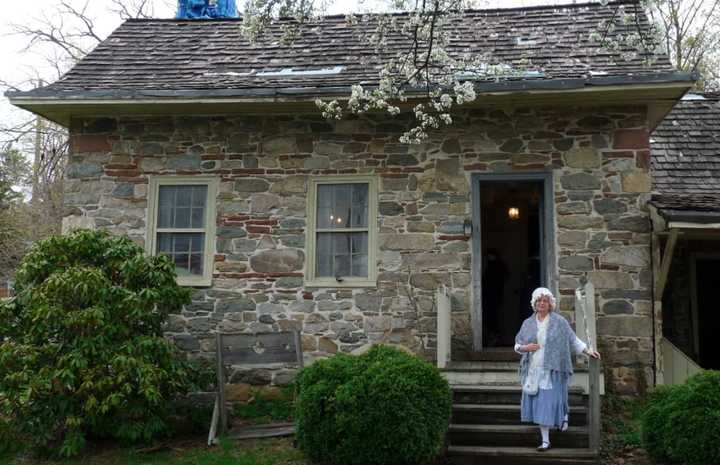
column 599, row 159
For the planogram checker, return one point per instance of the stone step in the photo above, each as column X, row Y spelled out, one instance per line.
column 514, row 436
column 474, row 455
column 504, row 414
column 502, row 394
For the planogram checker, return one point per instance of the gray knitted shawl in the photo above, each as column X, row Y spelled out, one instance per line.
column 558, row 343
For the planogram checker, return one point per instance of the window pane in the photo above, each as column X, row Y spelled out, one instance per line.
column 197, row 218
column 324, row 195
column 342, row 265
column 185, row 250
column 199, row 196
column 360, row 266
column 184, row 196
column 182, row 218
column 324, row 217
column 323, row 263
column 359, row 243
column 166, row 201
column 359, row 206
column 341, row 243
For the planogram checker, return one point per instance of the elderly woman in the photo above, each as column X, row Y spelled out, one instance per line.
column 546, row 342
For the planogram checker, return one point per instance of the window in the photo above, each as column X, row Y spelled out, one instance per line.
column 342, row 232
column 181, row 224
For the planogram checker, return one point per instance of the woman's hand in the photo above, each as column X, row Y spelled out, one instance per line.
column 592, row 353
column 532, row 347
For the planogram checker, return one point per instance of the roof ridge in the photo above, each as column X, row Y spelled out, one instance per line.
column 593, row 4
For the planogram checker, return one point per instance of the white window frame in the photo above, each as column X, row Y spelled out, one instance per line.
column 210, row 218
column 311, row 280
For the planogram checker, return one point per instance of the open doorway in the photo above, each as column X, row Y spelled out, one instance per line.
column 705, row 311
column 512, row 255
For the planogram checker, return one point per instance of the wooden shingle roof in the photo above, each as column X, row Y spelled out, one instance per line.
column 212, row 55
column 686, row 157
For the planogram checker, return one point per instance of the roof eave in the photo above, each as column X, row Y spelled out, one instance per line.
column 60, row 106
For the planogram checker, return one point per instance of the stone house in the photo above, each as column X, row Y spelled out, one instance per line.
column 198, row 144
column 685, row 209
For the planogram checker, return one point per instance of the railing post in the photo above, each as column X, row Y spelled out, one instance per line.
column 594, row 403
column 443, row 327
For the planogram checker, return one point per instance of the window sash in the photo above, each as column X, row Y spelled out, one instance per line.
column 312, row 278
column 207, row 251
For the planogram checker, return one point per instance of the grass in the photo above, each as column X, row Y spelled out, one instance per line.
column 276, row 451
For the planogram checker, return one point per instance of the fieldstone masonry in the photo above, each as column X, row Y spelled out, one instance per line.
column 600, row 161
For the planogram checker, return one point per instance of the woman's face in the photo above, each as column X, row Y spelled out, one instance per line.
column 543, row 305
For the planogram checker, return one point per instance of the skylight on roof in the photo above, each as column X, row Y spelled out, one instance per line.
column 290, row 72
column 693, row 97
column 485, row 70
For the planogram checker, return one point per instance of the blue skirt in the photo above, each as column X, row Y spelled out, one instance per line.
column 549, row 406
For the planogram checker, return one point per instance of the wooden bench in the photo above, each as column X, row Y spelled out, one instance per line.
column 249, row 349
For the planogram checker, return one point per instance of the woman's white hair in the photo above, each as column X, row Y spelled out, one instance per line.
column 542, row 292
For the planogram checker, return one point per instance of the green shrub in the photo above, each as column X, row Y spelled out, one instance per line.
column 82, row 347
column 681, row 423
column 385, row 407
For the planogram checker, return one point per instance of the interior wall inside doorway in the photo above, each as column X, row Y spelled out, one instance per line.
column 511, row 261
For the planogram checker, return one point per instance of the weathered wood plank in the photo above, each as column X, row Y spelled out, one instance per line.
column 221, row 384
column 263, row 431
column 213, row 423
column 594, row 404
column 443, row 328
column 666, row 262
column 260, row 348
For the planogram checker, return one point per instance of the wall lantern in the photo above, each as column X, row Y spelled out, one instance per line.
column 467, row 228
column 514, row 213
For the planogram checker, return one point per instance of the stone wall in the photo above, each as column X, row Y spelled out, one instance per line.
column 600, row 160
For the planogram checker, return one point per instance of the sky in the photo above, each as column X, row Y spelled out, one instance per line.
column 20, row 64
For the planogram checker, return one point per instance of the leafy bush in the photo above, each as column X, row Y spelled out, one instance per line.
column 383, row 407
column 681, row 423
column 82, row 348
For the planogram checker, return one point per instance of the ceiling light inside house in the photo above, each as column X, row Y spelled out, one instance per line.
column 514, row 213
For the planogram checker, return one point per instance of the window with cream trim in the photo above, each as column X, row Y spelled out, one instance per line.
column 181, row 224
column 342, row 231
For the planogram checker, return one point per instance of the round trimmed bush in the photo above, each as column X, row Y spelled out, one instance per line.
column 82, row 350
column 681, row 423
column 385, row 407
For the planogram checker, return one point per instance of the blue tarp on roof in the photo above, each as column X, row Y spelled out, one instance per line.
column 200, row 9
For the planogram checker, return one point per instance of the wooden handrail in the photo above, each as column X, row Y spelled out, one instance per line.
column 585, row 326
column 594, row 403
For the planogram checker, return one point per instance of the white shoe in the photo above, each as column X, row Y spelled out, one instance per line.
column 564, row 426
column 543, row 447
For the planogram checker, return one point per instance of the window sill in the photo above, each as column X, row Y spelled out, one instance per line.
column 344, row 283
column 194, row 281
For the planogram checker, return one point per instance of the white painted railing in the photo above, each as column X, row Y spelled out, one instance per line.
column 443, row 327
column 585, row 327
column 677, row 367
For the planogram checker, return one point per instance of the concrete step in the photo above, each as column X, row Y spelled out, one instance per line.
column 502, row 394
column 475, row 455
column 514, row 436
column 504, row 414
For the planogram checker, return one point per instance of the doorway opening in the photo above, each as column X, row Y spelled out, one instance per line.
column 707, row 282
column 512, row 255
